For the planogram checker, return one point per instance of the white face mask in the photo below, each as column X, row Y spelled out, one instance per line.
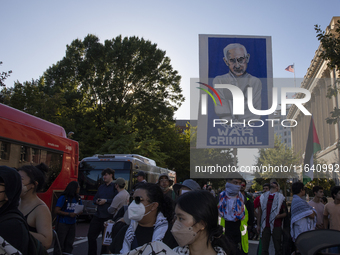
column 137, row 211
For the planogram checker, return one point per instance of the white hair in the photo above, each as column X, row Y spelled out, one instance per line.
column 233, row 46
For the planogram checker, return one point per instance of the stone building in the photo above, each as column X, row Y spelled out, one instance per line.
column 317, row 80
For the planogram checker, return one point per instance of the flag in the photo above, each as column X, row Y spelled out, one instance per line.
column 290, row 68
column 313, row 146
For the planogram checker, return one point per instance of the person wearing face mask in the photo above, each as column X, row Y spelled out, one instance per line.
column 36, row 212
column 271, row 212
column 196, row 228
column 165, row 183
column 151, row 214
column 231, row 207
column 12, row 229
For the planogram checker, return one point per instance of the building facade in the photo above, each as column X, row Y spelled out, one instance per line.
column 317, row 80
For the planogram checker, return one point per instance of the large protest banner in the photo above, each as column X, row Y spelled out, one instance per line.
column 231, row 67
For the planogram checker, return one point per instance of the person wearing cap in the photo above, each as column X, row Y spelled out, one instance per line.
column 271, row 212
column 186, row 186
column 121, row 199
column 141, row 176
column 140, row 179
column 165, row 183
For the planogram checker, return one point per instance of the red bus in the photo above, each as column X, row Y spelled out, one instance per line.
column 26, row 139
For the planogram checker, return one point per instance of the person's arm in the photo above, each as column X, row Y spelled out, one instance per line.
column 114, row 205
column 250, row 208
column 43, row 224
column 95, row 198
column 283, row 212
column 312, row 215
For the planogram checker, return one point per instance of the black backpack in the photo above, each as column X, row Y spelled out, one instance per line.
column 35, row 247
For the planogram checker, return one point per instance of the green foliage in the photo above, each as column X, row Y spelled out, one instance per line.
column 330, row 43
column 4, row 76
column 278, row 156
column 117, row 97
column 327, row 185
column 257, row 186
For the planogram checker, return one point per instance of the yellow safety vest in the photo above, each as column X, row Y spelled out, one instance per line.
column 243, row 229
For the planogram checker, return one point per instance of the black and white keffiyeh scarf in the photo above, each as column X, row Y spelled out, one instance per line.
column 275, row 210
column 161, row 226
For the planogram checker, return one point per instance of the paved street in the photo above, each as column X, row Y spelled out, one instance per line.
column 80, row 244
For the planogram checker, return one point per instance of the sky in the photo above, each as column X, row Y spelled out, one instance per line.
column 35, row 33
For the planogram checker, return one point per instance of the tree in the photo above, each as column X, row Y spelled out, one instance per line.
column 4, row 76
column 279, row 162
column 98, row 89
column 330, row 42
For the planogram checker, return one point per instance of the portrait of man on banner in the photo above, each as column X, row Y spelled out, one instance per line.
column 237, row 58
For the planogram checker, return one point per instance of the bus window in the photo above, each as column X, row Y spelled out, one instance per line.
column 35, row 156
column 89, row 181
column 5, row 150
column 54, row 162
column 24, row 154
column 90, row 174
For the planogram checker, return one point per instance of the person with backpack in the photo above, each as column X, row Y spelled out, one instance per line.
column 66, row 218
column 12, row 223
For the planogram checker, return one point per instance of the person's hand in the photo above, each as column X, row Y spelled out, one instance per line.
column 258, row 229
column 72, row 215
column 101, row 201
column 107, row 222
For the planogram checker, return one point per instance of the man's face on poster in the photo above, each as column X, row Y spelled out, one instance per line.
column 237, row 61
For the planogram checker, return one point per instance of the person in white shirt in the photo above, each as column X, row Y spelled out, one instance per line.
column 121, row 199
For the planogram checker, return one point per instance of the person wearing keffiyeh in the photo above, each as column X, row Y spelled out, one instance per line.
column 303, row 215
column 231, row 208
column 152, row 224
column 269, row 222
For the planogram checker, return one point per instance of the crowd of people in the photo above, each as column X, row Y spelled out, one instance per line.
column 182, row 218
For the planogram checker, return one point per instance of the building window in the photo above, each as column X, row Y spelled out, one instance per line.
column 4, row 152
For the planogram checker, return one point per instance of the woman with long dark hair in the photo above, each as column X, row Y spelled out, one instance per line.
column 151, row 214
column 66, row 220
column 196, row 227
column 36, row 212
